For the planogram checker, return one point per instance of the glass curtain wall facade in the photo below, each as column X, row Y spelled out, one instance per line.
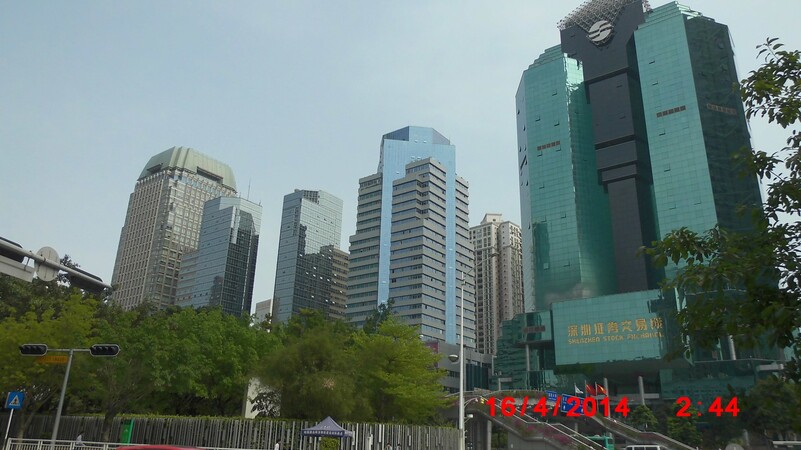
column 220, row 273
column 695, row 121
column 163, row 224
column 311, row 229
column 412, row 241
column 565, row 223
column 626, row 131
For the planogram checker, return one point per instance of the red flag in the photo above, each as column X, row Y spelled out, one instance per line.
column 589, row 389
column 600, row 389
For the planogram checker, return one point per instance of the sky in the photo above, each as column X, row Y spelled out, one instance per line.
column 291, row 95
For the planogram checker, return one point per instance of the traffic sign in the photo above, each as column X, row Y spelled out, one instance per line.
column 53, row 359
column 569, row 402
column 15, row 399
column 550, row 396
column 46, row 273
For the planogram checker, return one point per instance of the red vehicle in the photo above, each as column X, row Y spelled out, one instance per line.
column 155, row 447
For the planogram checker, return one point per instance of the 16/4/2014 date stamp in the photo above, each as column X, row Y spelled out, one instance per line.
column 572, row 406
column 568, row 405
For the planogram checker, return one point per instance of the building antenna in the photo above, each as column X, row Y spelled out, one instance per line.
column 248, row 197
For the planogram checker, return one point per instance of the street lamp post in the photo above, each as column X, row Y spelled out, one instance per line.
column 462, row 434
column 461, row 369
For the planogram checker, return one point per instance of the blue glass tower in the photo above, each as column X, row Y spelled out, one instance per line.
column 220, row 273
column 308, row 246
column 412, row 242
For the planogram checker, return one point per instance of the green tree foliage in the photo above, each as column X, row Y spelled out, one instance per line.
column 325, row 368
column 40, row 313
column 771, row 407
column 718, row 432
column 312, row 370
column 175, row 361
column 684, row 429
column 200, row 362
column 203, row 360
column 190, row 362
column 763, row 264
column 396, row 371
column 329, row 443
column 378, row 316
column 119, row 384
column 643, row 418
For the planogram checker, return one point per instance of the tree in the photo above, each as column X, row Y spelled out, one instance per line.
column 684, row 429
column 771, row 407
column 762, row 266
column 203, row 360
column 719, row 431
column 41, row 313
column 312, row 371
column 378, row 316
column 643, row 418
column 396, row 371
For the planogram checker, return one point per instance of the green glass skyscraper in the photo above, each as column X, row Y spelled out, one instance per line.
column 626, row 131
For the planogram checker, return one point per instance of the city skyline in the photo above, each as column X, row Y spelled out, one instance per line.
column 80, row 105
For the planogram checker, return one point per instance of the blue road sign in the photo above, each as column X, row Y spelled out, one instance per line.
column 14, row 400
column 550, row 396
column 568, row 402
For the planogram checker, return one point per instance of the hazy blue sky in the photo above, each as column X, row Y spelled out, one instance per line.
column 290, row 94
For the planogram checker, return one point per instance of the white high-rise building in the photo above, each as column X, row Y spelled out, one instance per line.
column 499, row 277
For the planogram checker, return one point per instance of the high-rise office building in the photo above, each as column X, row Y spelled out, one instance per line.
column 263, row 309
column 220, row 273
column 626, row 131
column 163, row 223
column 340, row 270
column 311, row 229
column 499, row 277
column 412, row 244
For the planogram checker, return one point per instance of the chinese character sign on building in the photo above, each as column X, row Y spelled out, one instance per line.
column 614, row 328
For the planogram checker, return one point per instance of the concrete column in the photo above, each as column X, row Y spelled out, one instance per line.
column 642, row 390
column 489, row 435
column 528, row 368
column 732, row 352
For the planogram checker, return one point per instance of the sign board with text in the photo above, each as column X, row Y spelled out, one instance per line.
column 52, row 359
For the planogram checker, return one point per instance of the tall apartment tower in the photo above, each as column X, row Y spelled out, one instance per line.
column 163, row 224
column 499, row 277
column 311, row 229
column 220, row 273
column 412, row 243
column 626, row 131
